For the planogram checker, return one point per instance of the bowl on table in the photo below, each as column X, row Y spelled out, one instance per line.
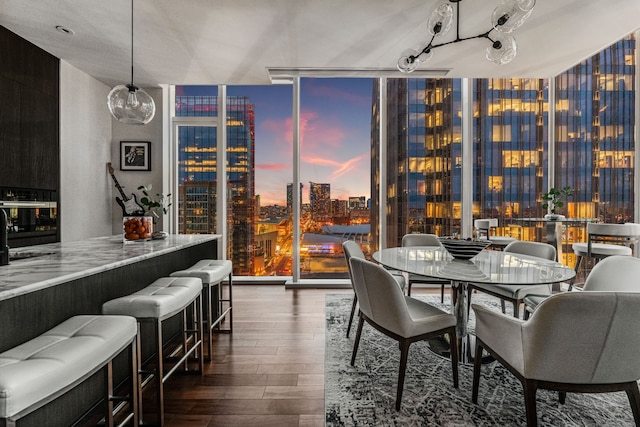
column 463, row 249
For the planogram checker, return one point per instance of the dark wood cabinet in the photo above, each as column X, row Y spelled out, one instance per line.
column 29, row 115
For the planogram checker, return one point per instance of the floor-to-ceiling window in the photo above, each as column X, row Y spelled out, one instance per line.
column 335, row 117
column 593, row 152
column 510, row 129
column 423, row 158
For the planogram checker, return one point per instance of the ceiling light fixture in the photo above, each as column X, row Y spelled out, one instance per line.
column 128, row 103
column 506, row 17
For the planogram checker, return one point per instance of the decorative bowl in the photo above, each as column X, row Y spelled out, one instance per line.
column 463, row 249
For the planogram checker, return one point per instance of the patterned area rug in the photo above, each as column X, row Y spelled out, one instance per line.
column 364, row 395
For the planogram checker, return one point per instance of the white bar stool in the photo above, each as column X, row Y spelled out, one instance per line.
column 160, row 301
column 212, row 272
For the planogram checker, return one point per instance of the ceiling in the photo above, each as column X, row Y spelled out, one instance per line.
column 237, row 41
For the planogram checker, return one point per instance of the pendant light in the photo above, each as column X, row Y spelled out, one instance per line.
column 506, row 17
column 128, row 103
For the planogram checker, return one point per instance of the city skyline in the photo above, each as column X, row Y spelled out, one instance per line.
column 335, row 128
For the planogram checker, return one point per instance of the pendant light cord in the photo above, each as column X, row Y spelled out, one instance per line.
column 131, row 42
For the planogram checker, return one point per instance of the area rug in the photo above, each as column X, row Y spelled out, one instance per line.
column 364, row 395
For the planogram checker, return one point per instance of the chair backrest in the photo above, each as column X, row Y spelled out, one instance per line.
column 602, row 348
column 351, row 250
column 537, row 249
column 616, row 273
column 379, row 296
column 620, row 234
column 420, row 240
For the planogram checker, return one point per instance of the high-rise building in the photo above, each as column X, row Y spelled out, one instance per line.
column 290, row 196
column 357, row 202
column 594, row 146
column 197, row 169
column 320, row 201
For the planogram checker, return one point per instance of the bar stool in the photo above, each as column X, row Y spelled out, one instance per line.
column 605, row 240
column 484, row 227
column 164, row 298
column 212, row 272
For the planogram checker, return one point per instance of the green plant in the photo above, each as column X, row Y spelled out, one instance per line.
column 158, row 205
column 553, row 198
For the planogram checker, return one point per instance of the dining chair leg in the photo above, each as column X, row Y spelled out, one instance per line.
column 530, row 389
column 477, row 364
column 441, row 294
column 357, row 342
column 404, row 353
column 516, row 309
column 453, row 349
column 353, row 311
column 634, row 399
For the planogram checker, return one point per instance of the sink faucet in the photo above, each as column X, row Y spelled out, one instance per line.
column 4, row 237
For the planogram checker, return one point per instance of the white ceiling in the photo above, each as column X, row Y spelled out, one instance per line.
column 235, row 41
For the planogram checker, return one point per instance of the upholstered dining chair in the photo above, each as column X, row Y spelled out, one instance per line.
column 516, row 293
column 605, row 240
column 617, row 273
column 383, row 305
column 421, row 239
column 352, row 249
column 543, row 353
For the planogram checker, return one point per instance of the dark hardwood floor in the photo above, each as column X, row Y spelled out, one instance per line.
column 268, row 372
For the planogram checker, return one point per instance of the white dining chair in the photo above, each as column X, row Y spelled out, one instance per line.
column 625, row 270
column 383, row 305
column 428, row 240
column 516, row 293
column 352, row 250
column 598, row 355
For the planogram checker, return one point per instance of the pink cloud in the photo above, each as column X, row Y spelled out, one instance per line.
column 273, row 166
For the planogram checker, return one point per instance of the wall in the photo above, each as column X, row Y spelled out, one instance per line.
column 131, row 180
column 86, row 189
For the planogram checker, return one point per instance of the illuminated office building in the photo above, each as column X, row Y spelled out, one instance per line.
column 594, row 147
column 320, row 201
column 197, row 168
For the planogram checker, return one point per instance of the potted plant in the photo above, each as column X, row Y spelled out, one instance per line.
column 552, row 200
column 157, row 205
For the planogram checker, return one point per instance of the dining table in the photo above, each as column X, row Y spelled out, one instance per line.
column 488, row 266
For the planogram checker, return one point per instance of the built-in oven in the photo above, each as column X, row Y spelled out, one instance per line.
column 32, row 215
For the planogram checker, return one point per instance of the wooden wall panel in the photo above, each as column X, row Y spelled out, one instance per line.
column 29, row 115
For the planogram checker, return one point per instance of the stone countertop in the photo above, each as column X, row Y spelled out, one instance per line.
column 50, row 264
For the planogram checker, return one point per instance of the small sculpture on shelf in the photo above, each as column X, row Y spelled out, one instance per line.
column 552, row 200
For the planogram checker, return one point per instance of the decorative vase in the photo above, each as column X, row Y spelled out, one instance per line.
column 137, row 228
column 554, row 217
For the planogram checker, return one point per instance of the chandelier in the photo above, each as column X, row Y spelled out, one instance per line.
column 128, row 103
column 506, row 17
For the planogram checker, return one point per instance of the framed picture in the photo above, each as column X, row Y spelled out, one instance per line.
column 135, row 155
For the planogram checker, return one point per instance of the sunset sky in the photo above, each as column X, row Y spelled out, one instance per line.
column 335, row 128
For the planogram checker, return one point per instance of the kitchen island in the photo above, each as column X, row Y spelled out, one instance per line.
column 46, row 284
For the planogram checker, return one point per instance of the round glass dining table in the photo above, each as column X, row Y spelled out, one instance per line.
column 489, row 266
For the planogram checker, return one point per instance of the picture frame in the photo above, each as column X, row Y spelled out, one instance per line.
column 135, row 155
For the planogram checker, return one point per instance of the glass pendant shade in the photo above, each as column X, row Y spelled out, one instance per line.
column 408, row 61
column 440, row 20
column 128, row 103
column 511, row 14
column 503, row 50
column 131, row 105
